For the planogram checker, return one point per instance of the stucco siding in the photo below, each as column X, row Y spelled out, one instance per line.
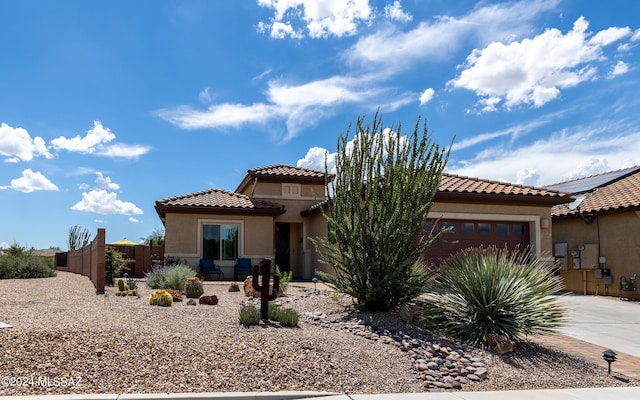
column 614, row 236
column 183, row 237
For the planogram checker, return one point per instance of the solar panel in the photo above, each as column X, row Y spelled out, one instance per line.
column 591, row 182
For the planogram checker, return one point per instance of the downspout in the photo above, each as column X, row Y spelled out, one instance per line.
column 253, row 187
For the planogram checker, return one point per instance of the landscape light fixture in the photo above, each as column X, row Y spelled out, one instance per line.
column 609, row 356
column 314, row 280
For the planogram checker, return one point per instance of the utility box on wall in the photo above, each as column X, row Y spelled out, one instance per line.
column 560, row 254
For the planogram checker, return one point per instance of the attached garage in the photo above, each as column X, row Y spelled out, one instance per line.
column 478, row 212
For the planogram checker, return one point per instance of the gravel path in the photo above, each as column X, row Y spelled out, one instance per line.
column 67, row 339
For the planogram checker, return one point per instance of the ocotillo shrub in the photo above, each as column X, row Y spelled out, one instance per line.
column 193, row 288
column 161, row 298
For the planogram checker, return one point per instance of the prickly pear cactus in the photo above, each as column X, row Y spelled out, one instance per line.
column 161, row 298
column 193, row 288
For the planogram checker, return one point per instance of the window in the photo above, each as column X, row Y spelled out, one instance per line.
column 518, row 230
column 220, row 242
column 468, row 227
column 449, row 227
column 502, row 229
column 484, row 228
column 290, row 190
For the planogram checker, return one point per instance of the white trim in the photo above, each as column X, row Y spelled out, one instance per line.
column 272, row 196
column 239, row 222
column 533, row 220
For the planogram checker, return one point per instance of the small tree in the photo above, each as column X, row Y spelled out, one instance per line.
column 378, row 204
column 78, row 237
column 156, row 237
column 114, row 264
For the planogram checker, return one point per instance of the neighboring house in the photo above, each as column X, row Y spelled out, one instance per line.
column 276, row 209
column 266, row 216
column 597, row 236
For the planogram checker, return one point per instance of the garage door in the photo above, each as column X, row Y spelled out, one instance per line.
column 462, row 234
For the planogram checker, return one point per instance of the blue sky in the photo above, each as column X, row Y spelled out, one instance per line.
column 108, row 106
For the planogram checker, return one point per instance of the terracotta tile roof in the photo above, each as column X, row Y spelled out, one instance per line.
column 621, row 193
column 218, row 200
column 465, row 185
column 282, row 173
column 482, row 190
column 283, row 170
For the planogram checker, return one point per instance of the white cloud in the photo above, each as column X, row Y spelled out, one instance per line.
column 609, row 35
column 121, row 150
column 219, row 116
column 439, row 39
column 320, row 18
column 103, row 202
column 527, row 176
column 299, row 105
column 532, row 71
column 636, row 36
column 620, row 68
column 31, row 181
column 562, row 156
column 95, row 137
column 394, row 12
column 134, row 220
column 205, row 96
column 426, row 96
column 95, row 142
column 316, row 158
column 17, row 144
column 105, row 182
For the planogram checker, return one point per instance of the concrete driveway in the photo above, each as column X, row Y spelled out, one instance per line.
column 605, row 321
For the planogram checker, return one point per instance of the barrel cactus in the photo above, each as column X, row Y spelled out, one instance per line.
column 193, row 288
column 121, row 285
column 161, row 298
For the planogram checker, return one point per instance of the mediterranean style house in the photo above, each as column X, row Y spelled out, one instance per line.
column 597, row 236
column 266, row 216
column 276, row 209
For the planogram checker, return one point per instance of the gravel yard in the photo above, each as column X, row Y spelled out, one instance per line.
column 67, row 339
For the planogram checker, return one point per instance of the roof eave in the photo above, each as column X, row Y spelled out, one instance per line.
column 468, row 197
column 219, row 210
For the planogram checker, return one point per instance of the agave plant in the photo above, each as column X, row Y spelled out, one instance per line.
column 492, row 291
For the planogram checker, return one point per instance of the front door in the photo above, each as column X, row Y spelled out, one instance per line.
column 282, row 238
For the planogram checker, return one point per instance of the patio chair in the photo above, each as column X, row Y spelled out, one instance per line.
column 242, row 267
column 207, row 267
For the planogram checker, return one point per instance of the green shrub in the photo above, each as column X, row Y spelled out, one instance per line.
column 156, row 278
column 177, row 275
column 285, row 278
column 249, row 316
column 23, row 265
column 491, row 291
column 285, row 316
column 114, row 265
column 234, row 287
